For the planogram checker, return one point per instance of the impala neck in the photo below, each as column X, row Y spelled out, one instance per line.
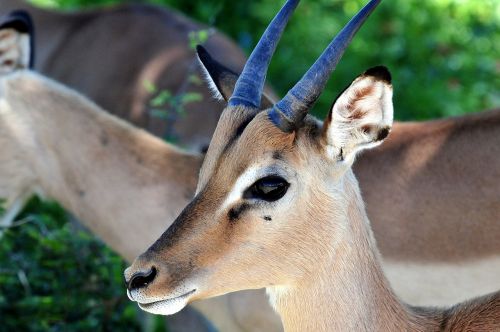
column 348, row 291
column 114, row 177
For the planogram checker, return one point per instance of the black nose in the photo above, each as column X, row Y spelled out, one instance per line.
column 141, row 279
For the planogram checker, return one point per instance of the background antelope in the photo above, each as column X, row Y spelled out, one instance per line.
column 277, row 206
column 156, row 49
column 452, row 138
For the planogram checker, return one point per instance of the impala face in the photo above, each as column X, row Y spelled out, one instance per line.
column 267, row 176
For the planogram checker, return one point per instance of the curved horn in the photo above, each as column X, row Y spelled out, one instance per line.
column 289, row 112
column 248, row 89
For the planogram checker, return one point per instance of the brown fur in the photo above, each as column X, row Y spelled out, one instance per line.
column 88, row 52
column 474, row 316
column 445, row 190
column 318, row 258
column 484, row 236
column 163, row 158
column 65, row 169
column 102, row 165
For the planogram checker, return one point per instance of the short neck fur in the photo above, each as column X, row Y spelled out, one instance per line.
column 349, row 291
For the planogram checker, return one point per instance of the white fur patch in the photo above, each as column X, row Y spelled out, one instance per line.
column 247, row 178
column 443, row 284
column 14, row 50
column 353, row 111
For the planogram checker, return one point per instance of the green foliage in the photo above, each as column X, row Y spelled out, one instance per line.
column 443, row 54
column 199, row 37
column 168, row 106
column 444, row 58
column 56, row 277
column 2, row 206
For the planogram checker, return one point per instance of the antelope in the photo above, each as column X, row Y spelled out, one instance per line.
column 277, row 205
column 156, row 49
column 140, row 177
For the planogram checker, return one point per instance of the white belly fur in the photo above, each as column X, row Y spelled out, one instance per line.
column 443, row 284
column 415, row 283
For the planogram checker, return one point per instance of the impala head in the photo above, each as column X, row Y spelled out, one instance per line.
column 268, row 176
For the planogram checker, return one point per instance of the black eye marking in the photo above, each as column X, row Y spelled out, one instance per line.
column 267, row 218
column 269, row 189
column 235, row 212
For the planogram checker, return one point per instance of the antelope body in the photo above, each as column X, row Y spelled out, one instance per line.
column 277, row 206
column 133, row 158
column 109, row 54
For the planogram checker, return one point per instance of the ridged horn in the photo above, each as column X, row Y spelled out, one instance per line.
column 248, row 89
column 289, row 112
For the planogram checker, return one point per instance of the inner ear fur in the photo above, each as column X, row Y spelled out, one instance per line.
column 221, row 79
column 362, row 115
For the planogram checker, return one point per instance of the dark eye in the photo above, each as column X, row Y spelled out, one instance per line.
column 270, row 189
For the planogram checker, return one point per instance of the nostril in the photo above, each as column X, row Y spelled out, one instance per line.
column 142, row 279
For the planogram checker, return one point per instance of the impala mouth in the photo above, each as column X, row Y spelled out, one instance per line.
column 168, row 306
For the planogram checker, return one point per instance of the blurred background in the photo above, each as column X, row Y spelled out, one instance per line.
column 444, row 56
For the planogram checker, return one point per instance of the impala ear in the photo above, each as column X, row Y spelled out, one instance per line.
column 361, row 117
column 221, row 79
column 16, row 42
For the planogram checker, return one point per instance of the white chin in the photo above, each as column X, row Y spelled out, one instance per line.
column 165, row 307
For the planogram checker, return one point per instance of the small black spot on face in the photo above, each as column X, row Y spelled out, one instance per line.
column 267, row 218
column 235, row 213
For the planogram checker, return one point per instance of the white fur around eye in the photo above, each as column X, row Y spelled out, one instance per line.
column 245, row 180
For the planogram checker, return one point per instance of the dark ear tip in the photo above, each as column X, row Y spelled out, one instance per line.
column 381, row 73
column 204, row 56
column 21, row 13
column 19, row 20
column 200, row 49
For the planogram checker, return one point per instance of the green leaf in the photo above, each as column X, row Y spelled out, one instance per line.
column 161, row 99
column 190, row 97
column 149, row 86
column 2, row 206
column 194, row 79
column 158, row 113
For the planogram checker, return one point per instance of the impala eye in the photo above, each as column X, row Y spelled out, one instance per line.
column 270, row 189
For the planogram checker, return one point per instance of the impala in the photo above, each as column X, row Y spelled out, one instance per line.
column 140, row 177
column 86, row 50
column 277, row 206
